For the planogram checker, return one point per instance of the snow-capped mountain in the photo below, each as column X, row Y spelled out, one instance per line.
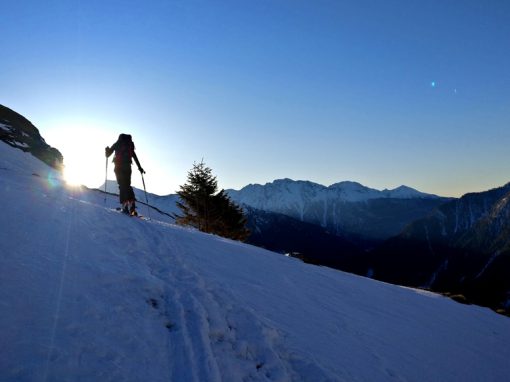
column 19, row 132
column 90, row 294
column 289, row 193
column 404, row 192
column 345, row 208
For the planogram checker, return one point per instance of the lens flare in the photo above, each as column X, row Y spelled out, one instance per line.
column 54, row 179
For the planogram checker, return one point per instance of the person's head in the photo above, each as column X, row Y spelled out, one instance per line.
column 125, row 138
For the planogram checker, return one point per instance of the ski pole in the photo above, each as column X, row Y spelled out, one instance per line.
column 146, row 199
column 105, row 180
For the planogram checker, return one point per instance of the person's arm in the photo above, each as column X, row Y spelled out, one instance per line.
column 109, row 150
column 138, row 163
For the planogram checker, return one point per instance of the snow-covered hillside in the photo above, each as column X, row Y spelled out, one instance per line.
column 88, row 294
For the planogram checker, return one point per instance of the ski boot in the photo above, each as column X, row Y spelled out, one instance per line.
column 132, row 209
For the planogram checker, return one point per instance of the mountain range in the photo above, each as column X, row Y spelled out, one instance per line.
column 346, row 209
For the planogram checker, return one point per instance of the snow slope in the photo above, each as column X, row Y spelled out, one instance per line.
column 88, row 294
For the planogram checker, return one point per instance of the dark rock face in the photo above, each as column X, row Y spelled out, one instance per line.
column 462, row 247
column 19, row 132
column 308, row 242
column 378, row 219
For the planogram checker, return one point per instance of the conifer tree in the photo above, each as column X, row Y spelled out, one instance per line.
column 228, row 217
column 208, row 210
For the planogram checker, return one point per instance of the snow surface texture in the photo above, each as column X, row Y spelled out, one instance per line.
column 88, row 294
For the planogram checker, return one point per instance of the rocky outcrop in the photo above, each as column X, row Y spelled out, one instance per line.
column 19, row 132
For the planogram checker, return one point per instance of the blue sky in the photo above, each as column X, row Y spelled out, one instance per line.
column 380, row 92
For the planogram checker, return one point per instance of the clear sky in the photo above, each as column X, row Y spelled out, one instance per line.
column 380, row 92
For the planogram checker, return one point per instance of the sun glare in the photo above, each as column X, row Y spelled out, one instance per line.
column 73, row 175
column 83, row 150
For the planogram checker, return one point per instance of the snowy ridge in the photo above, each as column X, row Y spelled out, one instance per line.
column 90, row 294
column 404, row 192
column 289, row 193
column 344, row 208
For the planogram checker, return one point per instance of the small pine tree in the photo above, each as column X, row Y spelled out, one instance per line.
column 229, row 219
column 208, row 210
column 196, row 197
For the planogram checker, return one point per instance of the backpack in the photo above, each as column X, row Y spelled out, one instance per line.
column 124, row 148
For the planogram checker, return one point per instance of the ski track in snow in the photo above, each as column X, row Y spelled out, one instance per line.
column 217, row 322
column 201, row 326
column 89, row 294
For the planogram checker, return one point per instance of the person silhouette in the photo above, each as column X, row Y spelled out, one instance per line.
column 124, row 150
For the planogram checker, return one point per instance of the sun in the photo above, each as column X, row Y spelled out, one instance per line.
column 74, row 173
column 82, row 146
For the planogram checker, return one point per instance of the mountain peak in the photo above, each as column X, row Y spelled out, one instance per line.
column 288, row 181
column 406, row 192
column 346, row 190
column 347, row 184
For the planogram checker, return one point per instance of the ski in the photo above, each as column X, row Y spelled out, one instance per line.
column 137, row 215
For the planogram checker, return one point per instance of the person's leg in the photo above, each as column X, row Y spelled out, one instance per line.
column 124, row 181
column 129, row 190
column 131, row 196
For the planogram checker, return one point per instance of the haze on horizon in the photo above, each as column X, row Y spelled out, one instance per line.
column 381, row 93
